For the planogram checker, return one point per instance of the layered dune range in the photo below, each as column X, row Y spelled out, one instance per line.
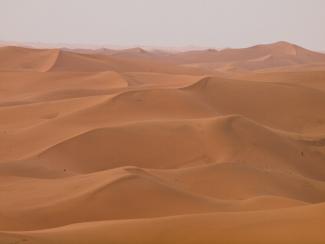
column 137, row 146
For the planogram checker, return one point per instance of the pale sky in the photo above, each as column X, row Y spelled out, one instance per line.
column 205, row 23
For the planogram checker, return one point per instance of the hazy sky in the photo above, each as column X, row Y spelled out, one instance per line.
column 210, row 23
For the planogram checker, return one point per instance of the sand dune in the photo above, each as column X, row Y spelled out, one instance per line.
column 210, row 97
column 279, row 54
column 251, row 227
column 312, row 79
column 249, row 98
column 56, row 86
column 186, row 143
column 84, row 199
column 227, row 181
column 156, row 80
column 141, row 197
column 25, row 59
column 139, row 146
column 53, row 60
column 27, row 115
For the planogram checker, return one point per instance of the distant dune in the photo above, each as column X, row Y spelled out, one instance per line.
column 148, row 146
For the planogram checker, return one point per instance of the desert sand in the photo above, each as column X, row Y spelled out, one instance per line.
column 139, row 146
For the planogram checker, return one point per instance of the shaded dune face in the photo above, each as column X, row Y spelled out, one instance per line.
column 134, row 146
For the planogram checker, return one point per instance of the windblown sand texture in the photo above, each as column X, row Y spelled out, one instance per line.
column 149, row 147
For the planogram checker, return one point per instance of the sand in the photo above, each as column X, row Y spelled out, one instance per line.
column 138, row 146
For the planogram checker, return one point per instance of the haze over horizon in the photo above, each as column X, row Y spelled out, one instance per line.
column 181, row 23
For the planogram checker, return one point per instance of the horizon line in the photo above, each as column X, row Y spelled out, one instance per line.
column 89, row 46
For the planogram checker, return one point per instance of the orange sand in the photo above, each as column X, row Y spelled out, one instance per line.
column 133, row 146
